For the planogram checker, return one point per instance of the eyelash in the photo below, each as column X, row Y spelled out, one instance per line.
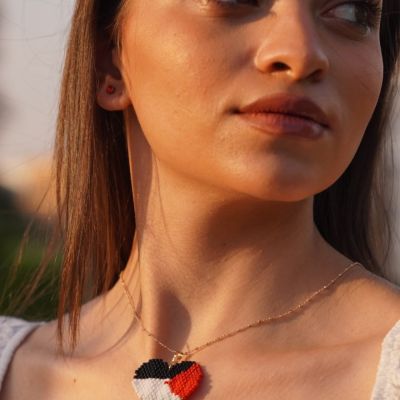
column 373, row 12
column 371, row 7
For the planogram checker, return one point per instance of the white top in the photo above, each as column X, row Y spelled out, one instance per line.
column 387, row 384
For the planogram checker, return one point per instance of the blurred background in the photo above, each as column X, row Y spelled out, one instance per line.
column 32, row 43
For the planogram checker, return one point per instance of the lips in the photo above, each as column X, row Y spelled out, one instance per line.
column 286, row 114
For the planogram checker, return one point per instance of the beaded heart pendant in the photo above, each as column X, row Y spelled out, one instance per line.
column 156, row 380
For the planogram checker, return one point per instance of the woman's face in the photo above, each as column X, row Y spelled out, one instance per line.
column 189, row 66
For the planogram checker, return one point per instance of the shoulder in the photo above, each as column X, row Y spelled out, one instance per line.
column 379, row 300
column 376, row 300
column 13, row 331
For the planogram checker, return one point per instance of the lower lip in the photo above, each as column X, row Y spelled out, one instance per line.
column 283, row 124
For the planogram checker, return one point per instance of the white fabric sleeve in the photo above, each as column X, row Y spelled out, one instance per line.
column 12, row 332
column 387, row 384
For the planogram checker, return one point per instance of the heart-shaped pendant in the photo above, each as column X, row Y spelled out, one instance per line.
column 156, row 380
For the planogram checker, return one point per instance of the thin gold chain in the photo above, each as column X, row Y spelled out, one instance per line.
column 184, row 354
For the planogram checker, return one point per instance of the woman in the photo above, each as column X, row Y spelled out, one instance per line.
column 224, row 154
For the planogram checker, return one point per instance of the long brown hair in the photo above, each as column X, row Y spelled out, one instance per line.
column 95, row 204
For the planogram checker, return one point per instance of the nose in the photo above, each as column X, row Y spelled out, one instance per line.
column 291, row 47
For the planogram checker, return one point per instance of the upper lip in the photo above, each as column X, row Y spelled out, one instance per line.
column 299, row 106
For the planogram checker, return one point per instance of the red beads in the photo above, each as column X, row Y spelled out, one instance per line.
column 110, row 89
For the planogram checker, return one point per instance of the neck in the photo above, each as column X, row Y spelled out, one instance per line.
column 206, row 261
column 202, row 268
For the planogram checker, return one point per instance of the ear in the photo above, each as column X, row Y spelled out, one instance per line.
column 111, row 90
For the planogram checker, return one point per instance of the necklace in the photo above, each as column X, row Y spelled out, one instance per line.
column 158, row 380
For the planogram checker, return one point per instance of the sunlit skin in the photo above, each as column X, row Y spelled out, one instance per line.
column 224, row 210
column 185, row 79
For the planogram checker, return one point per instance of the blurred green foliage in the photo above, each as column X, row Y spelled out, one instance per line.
column 20, row 260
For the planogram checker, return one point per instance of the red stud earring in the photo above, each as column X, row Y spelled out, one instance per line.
column 110, row 89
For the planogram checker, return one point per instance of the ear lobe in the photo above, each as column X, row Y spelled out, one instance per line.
column 111, row 92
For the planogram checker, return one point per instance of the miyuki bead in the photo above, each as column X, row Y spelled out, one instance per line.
column 110, row 89
column 156, row 380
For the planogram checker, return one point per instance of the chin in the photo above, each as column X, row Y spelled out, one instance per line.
column 282, row 190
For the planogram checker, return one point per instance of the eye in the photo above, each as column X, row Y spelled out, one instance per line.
column 362, row 14
column 230, row 3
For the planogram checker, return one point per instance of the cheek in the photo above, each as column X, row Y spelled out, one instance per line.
column 177, row 78
column 358, row 79
column 354, row 83
column 172, row 81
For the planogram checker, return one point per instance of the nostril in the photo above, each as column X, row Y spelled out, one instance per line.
column 279, row 66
